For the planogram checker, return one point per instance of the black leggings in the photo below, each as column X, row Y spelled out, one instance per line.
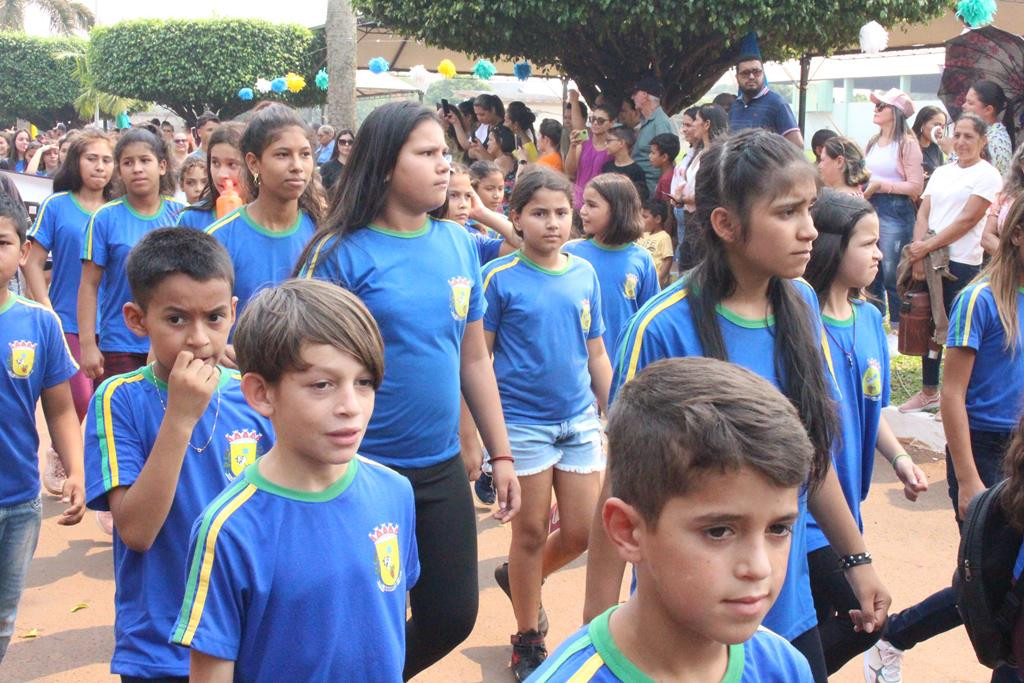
column 446, row 598
column 833, row 600
column 809, row 645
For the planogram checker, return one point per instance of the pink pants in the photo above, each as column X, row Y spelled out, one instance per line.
column 81, row 386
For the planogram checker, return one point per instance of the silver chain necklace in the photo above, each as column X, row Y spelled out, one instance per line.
column 213, row 429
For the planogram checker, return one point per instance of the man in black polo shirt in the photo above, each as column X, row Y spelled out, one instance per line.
column 760, row 107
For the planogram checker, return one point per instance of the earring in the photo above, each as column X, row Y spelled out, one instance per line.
column 256, row 178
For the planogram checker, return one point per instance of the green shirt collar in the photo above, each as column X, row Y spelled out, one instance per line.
column 401, row 233
column 253, row 476
column 150, row 376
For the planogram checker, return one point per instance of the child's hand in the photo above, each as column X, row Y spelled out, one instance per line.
column 92, row 361
column 227, row 359
column 477, row 210
column 190, row 386
column 914, row 480
column 506, row 485
column 967, row 492
column 73, row 494
column 874, row 599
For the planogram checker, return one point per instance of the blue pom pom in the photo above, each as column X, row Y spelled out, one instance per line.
column 484, row 70
column 321, row 79
column 279, row 84
column 379, row 65
column 522, row 70
column 246, row 94
column 976, row 13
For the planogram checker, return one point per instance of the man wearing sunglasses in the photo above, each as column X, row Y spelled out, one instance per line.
column 760, row 107
column 647, row 98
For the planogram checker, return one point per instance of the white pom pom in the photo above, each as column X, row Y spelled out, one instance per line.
column 263, row 85
column 419, row 76
column 873, row 38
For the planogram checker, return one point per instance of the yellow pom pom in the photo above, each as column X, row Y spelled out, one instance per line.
column 295, row 82
column 446, row 68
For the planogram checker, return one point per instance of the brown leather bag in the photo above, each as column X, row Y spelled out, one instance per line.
column 916, row 324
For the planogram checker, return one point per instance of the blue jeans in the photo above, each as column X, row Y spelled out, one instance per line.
column 680, row 215
column 19, row 533
column 896, row 216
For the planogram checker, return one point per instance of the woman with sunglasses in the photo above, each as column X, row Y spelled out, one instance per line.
column 893, row 157
column 179, row 148
column 587, row 150
column 330, row 171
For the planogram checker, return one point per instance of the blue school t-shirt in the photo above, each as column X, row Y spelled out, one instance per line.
column 591, row 654
column 120, row 430
column 192, row 217
column 488, row 246
column 996, row 388
column 628, row 279
column 422, row 288
column 542, row 320
column 35, row 357
column 863, row 379
column 664, row 328
column 262, row 257
column 267, row 564
column 59, row 226
column 110, row 235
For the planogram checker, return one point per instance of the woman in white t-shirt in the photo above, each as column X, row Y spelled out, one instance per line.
column 953, row 207
column 710, row 123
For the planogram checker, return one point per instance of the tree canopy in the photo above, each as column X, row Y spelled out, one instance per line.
column 608, row 45
column 65, row 16
column 38, row 83
column 192, row 66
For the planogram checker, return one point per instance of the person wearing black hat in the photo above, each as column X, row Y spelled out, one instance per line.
column 758, row 106
column 647, row 98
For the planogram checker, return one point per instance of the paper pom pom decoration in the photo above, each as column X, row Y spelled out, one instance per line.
column 522, row 70
column 484, row 69
column 379, row 65
column 419, row 76
column 279, row 84
column 976, row 13
column 245, row 94
column 873, row 38
column 321, row 79
column 262, row 85
column 294, row 82
column 446, row 68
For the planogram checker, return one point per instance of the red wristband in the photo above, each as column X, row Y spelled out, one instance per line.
column 499, row 458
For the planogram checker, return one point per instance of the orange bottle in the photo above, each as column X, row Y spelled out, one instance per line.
column 229, row 199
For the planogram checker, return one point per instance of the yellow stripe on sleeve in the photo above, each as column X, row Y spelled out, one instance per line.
column 970, row 312
column 498, row 269
column 209, row 548
column 587, row 671
column 315, row 257
column 34, row 228
column 638, row 338
column 108, row 425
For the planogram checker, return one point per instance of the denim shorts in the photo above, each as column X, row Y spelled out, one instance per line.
column 574, row 445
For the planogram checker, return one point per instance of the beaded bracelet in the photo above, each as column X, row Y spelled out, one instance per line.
column 499, row 458
column 851, row 561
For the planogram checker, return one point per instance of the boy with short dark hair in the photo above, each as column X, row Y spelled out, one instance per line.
column 664, row 150
column 705, row 461
column 37, row 364
column 620, row 140
column 164, row 440
column 312, row 542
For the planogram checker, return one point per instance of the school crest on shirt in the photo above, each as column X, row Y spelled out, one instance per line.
column 872, row 380
column 630, row 285
column 585, row 315
column 461, row 287
column 22, row 358
column 389, row 564
column 241, row 450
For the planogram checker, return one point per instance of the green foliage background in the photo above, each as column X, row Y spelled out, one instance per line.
column 36, row 84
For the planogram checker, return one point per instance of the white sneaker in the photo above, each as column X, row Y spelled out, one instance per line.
column 53, row 475
column 883, row 663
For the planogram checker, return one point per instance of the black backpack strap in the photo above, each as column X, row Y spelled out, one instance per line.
column 1006, row 617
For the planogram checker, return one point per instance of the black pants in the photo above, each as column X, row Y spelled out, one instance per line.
column 809, row 645
column 833, row 600
column 445, row 599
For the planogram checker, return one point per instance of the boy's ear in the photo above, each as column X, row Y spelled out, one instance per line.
column 623, row 525
column 26, row 248
column 725, row 225
column 135, row 319
column 234, row 309
column 259, row 394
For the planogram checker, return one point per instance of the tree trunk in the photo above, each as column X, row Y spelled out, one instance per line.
column 341, row 64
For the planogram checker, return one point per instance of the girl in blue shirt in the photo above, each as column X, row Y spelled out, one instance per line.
column 420, row 278
column 843, row 262
column 754, row 192
column 612, row 224
column 223, row 163
column 17, row 161
column 491, row 230
column 112, row 231
column 81, row 186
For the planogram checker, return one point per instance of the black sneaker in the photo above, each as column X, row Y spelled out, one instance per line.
column 484, row 489
column 501, row 578
column 528, row 653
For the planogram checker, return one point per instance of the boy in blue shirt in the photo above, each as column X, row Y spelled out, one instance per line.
column 164, row 440
column 37, row 364
column 313, row 542
column 705, row 460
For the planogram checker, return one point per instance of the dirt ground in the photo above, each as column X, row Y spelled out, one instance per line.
column 64, row 630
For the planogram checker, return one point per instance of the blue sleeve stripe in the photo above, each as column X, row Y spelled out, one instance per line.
column 555, row 667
